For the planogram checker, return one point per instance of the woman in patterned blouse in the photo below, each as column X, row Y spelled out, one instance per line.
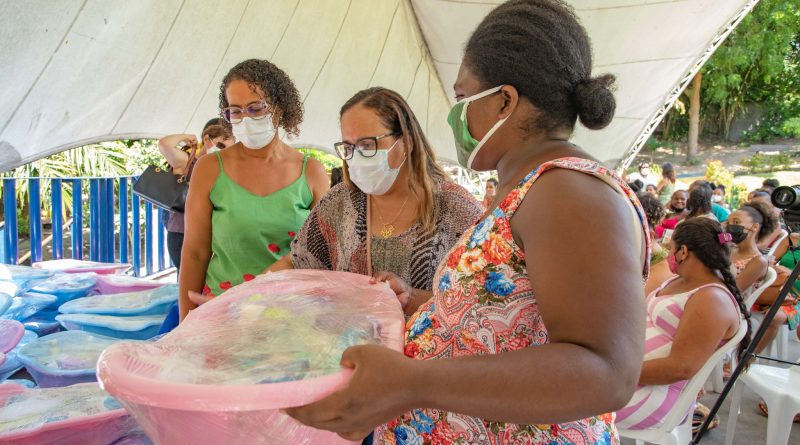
column 393, row 194
column 536, row 327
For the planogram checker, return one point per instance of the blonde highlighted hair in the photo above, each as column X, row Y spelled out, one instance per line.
column 396, row 115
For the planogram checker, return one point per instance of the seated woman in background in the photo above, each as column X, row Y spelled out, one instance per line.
column 247, row 201
column 688, row 318
column 676, row 212
column 659, row 269
column 699, row 204
column 397, row 214
column 775, row 238
column 750, row 223
column 182, row 152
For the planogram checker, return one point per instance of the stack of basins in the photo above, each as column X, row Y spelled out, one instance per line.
column 65, row 404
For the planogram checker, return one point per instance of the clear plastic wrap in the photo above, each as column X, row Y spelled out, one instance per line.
column 66, row 286
column 28, row 304
column 64, row 358
column 10, row 334
column 5, row 302
column 119, row 284
column 139, row 327
column 274, row 342
column 146, row 302
column 43, row 322
column 21, row 382
column 67, row 265
column 12, row 363
column 21, row 276
column 80, row 414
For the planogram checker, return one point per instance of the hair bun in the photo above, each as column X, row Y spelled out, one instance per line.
column 595, row 102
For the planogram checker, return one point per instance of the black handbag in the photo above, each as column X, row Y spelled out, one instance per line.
column 163, row 188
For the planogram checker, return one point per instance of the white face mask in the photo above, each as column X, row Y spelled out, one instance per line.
column 645, row 171
column 716, row 198
column 254, row 133
column 373, row 175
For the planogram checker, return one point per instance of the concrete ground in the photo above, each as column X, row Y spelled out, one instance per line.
column 751, row 428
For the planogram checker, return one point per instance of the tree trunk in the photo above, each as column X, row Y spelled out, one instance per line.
column 694, row 117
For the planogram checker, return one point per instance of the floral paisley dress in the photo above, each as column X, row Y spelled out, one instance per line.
column 483, row 304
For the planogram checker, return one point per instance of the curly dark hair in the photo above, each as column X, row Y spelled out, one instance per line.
column 699, row 202
column 653, row 209
column 540, row 48
column 275, row 84
column 701, row 237
column 762, row 214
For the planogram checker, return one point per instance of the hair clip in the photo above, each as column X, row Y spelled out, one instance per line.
column 724, row 237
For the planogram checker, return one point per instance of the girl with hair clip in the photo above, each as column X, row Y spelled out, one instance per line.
column 688, row 318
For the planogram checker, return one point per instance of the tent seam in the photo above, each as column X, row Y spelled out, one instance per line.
column 44, row 68
column 149, row 67
column 328, row 56
column 385, row 41
column 222, row 59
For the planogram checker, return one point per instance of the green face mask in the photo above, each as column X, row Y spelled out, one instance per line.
column 466, row 145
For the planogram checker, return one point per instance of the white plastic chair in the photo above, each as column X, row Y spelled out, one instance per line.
column 716, row 378
column 777, row 242
column 677, row 426
column 780, row 389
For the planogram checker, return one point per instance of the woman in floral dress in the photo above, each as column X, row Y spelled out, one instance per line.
column 535, row 332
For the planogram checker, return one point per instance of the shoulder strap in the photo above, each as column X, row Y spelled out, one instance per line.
column 219, row 159
column 512, row 202
column 305, row 160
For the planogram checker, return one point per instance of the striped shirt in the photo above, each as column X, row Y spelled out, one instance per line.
column 650, row 404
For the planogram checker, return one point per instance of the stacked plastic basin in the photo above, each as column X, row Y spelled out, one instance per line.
column 32, row 296
column 64, row 358
column 133, row 315
column 81, row 414
column 224, row 374
column 82, row 266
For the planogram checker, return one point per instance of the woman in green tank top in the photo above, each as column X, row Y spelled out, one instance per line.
column 247, row 202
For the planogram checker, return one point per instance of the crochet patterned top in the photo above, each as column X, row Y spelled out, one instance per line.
column 483, row 303
column 334, row 236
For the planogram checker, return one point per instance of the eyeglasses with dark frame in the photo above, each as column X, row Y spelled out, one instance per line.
column 367, row 147
column 256, row 110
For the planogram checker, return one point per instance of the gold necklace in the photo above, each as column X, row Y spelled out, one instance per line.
column 387, row 229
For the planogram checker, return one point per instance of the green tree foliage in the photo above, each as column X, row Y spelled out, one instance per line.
column 759, row 63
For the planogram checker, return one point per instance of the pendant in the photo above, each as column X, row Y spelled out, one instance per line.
column 387, row 230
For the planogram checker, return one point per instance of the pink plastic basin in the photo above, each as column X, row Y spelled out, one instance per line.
column 80, row 266
column 96, row 429
column 174, row 404
column 119, row 284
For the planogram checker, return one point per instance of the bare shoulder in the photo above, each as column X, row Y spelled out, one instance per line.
column 578, row 197
column 713, row 302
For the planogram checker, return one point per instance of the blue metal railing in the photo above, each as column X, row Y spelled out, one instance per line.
column 111, row 239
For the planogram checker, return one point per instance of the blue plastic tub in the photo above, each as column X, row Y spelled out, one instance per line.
column 66, row 286
column 21, row 382
column 64, row 358
column 43, row 322
column 139, row 327
column 12, row 363
column 5, row 302
column 23, row 276
column 148, row 302
column 28, row 304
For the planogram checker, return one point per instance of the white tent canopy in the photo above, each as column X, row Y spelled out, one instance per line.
column 81, row 71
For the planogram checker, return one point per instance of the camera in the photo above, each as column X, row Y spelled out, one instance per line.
column 788, row 199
